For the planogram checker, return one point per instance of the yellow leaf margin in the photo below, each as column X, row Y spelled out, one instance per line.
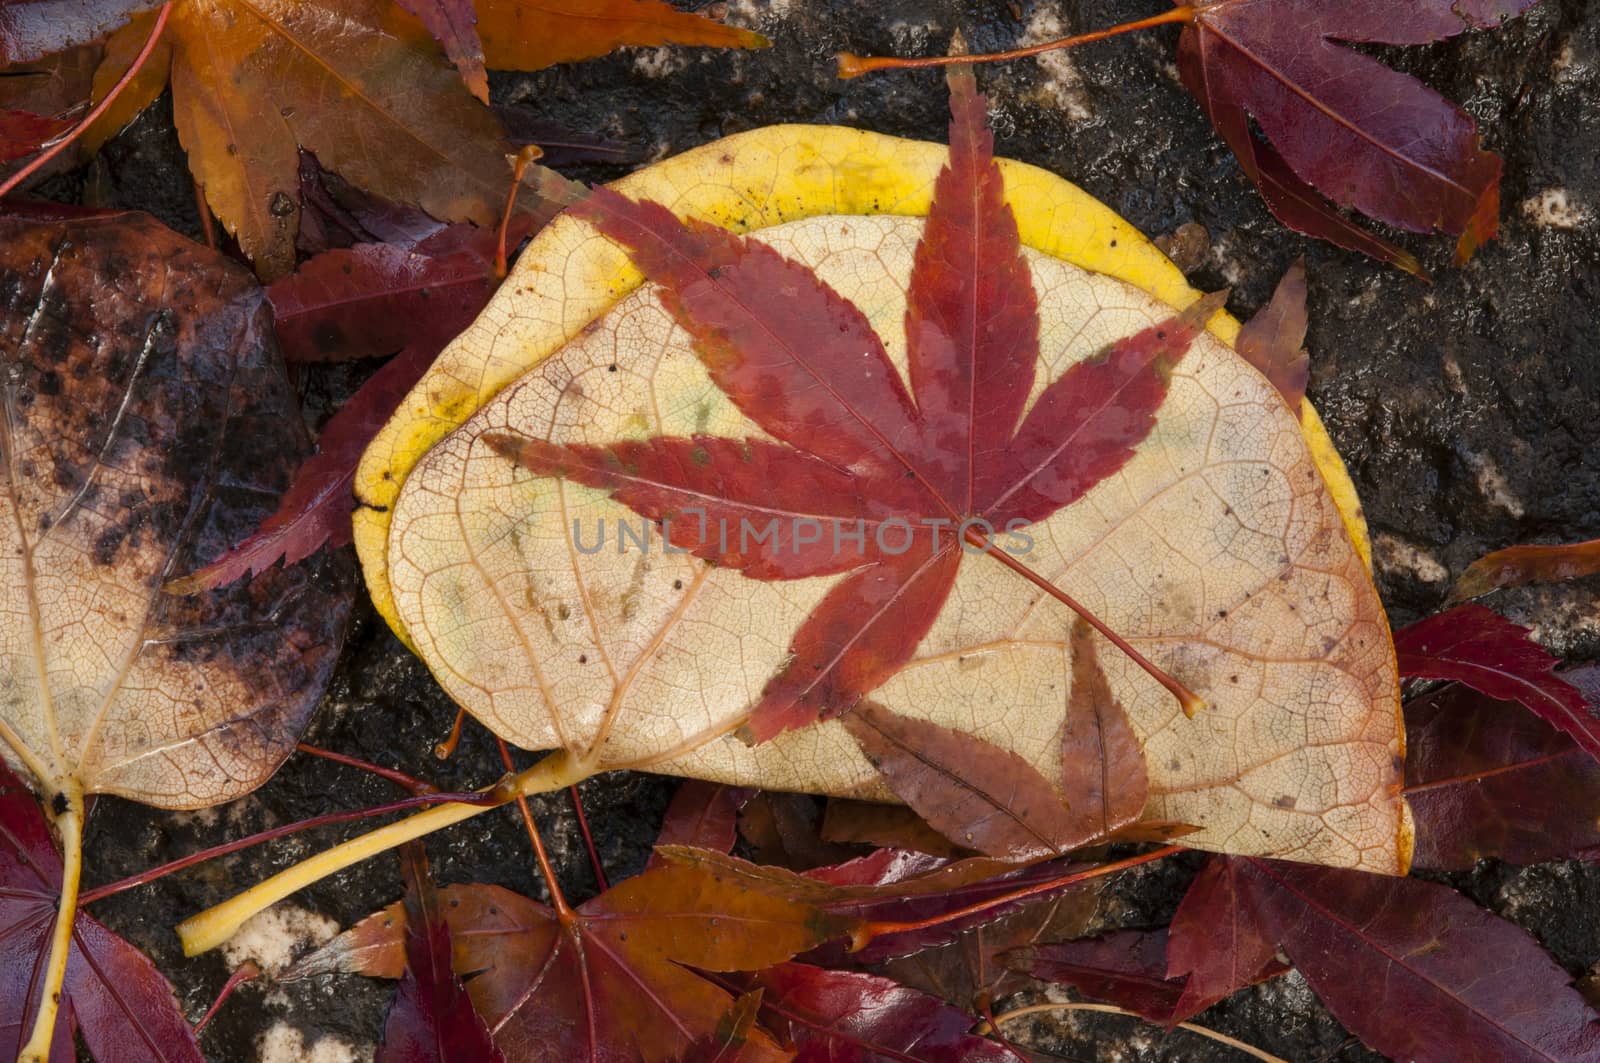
column 747, row 182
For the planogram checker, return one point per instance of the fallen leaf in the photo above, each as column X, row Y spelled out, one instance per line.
column 883, row 826
column 1127, row 968
column 33, row 29
column 1517, row 565
column 23, row 132
column 148, row 82
column 1487, row 778
column 112, row 995
column 1104, row 781
column 431, row 1019
column 786, row 829
column 1489, row 653
column 649, row 660
column 1274, row 340
column 534, row 34
column 144, row 419
column 852, row 1017
column 454, row 24
column 1216, row 941
column 703, row 815
column 981, row 796
column 611, row 982
column 1362, row 134
column 736, row 1038
column 1419, row 972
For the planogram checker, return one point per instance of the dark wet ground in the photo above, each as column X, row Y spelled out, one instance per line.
column 1468, row 410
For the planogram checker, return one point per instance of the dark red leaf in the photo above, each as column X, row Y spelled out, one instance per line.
column 432, row 1019
column 1290, row 199
column 1127, row 968
column 454, row 24
column 1486, row 778
column 1103, row 775
column 1274, row 340
column 786, row 829
column 23, row 132
column 121, row 1005
column 851, row 443
column 703, row 815
column 315, row 510
column 979, row 795
column 377, row 299
column 1216, row 938
column 1364, row 135
column 33, row 29
column 1517, row 565
column 1419, row 972
column 736, row 1038
column 851, row 1017
column 1489, row 653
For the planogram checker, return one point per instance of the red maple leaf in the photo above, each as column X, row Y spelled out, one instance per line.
column 867, row 477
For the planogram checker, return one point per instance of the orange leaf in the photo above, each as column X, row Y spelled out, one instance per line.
column 534, row 34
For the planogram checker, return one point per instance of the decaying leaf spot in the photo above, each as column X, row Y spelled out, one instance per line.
column 145, row 423
column 1229, row 550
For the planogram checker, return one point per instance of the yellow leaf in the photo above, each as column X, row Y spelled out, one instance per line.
column 1229, row 550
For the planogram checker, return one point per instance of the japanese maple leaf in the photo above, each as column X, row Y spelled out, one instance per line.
column 897, row 482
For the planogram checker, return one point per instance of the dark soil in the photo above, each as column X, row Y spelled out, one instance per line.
column 1468, row 411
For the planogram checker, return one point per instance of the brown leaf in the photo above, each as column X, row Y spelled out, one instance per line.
column 1517, row 565
column 886, row 826
column 454, row 25
column 254, row 81
column 534, row 34
column 33, row 29
column 147, row 422
column 1103, row 777
column 1274, row 340
column 980, row 796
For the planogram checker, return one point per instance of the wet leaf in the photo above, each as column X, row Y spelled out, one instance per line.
column 431, row 1019
column 454, row 24
column 649, row 660
column 1361, row 134
column 1417, row 971
column 611, row 983
column 1489, row 653
column 1217, row 939
column 23, row 132
column 884, row 826
column 1487, row 778
column 147, row 422
column 853, row 1017
column 1274, row 340
column 113, row 996
column 1517, row 565
column 33, row 29
column 1127, row 968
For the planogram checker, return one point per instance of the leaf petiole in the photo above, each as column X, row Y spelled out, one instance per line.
column 1187, row 699
column 853, row 66
column 210, row 928
column 69, row 825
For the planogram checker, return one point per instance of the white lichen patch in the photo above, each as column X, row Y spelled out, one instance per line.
column 283, row 1043
column 1060, row 85
column 1393, row 554
column 1492, row 483
column 1554, row 209
column 757, row 14
column 659, row 62
column 275, row 937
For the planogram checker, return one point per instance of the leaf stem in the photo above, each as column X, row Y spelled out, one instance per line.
column 1187, row 699
column 864, row 935
column 210, row 928
column 406, row 782
column 588, row 839
column 852, row 66
column 100, row 108
column 488, row 799
column 519, row 170
column 69, row 825
column 1112, row 1009
column 558, row 900
column 247, row 972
